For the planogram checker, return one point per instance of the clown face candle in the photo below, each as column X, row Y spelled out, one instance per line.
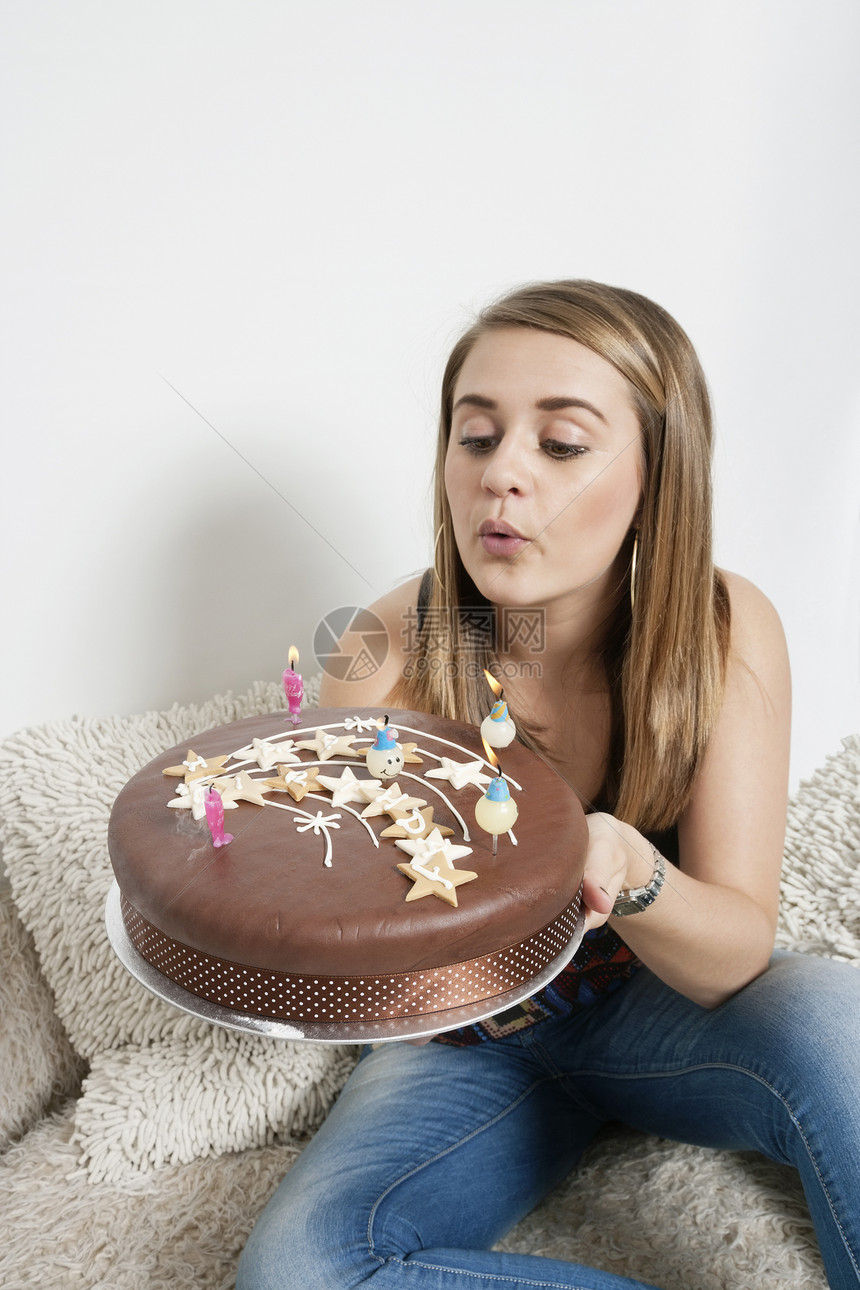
column 498, row 730
column 385, row 757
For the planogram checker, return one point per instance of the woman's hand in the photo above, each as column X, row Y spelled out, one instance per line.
column 618, row 857
column 704, row 939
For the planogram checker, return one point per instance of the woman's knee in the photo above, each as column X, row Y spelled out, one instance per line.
column 804, row 1016
column 303, row 1241
column 810, row 1002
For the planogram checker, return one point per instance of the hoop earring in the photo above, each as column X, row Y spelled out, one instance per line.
column 633, row 570
column 436, row 572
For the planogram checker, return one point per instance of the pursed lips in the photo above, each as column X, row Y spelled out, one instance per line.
column 500, row 538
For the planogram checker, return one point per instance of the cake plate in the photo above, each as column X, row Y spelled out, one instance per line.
column 357, row 1032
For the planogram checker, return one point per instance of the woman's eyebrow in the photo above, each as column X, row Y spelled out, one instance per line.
column 476, row 401
column 560, row 402
column 554, row 404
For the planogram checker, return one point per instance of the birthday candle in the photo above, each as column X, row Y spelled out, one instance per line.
column 498, row 730
column 385, row 757
column 294, row 687
column 496, row 812
column 214, row 805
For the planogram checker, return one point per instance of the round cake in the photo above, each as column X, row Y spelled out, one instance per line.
column 351, row 894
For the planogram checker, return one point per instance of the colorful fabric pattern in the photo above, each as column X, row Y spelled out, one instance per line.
column 601, row 964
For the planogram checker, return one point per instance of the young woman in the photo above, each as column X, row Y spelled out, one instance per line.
column 573, row 491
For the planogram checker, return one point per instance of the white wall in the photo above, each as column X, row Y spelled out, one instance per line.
column 285, row 212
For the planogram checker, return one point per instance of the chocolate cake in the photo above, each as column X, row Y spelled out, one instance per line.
column 309, row 915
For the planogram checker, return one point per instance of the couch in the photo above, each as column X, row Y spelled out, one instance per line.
column 137, row 1144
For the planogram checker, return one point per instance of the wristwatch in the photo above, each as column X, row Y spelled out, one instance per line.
column 635, row 899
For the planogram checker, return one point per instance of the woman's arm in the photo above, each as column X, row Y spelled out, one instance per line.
column 711, row 929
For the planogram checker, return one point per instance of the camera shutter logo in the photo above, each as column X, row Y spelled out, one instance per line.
column 351, row 643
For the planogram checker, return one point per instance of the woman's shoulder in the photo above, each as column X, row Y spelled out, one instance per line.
column 757, row 645
column 755, row 622
column 397, row 611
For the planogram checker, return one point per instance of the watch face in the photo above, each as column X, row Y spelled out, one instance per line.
column 628, row 906
column 633, row 902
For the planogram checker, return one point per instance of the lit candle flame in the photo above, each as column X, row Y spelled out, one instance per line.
column 491, row 756
column 494, row 685
column 293, row 657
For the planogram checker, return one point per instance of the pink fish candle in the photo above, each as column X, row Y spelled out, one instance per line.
column 294, row 687
column 214, row 806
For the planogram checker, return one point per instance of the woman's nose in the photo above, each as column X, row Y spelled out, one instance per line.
column 506, row 470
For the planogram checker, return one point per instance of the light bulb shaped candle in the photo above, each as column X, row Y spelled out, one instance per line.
column 385, row 756
column 294, row 687
column 496, row 812
column 214, row 804
column 498, row 730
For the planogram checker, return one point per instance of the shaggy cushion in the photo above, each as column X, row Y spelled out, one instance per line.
column 820, row 899
column 167, row 1090
column 181, row 1227
column 163, row 1087
column 38, row 1063
column 676, row 1217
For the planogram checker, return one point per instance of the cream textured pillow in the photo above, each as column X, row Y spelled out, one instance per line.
column 167, row 1088
column 820, row 899
column 163, row 1087
column 38, row 1064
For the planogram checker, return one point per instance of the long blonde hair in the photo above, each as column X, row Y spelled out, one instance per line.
column 665, row 659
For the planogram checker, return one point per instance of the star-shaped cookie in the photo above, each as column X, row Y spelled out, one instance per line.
column 192, row 797
column 435, row 879
column 384, row 800
column 460, row 773
column 347, row 788
column 326, row 745
column 267, row 754
column 413, row 824
column 297, row 781
column 241, row 788
column 431, row 848
column 195, row 767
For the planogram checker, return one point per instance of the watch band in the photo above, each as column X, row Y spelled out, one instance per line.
column 634, row 899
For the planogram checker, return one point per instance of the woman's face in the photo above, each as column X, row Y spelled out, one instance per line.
column 543, row 470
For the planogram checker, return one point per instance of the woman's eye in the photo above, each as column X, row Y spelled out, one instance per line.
column 561, row 451
column 557, row 449
column 477, row 444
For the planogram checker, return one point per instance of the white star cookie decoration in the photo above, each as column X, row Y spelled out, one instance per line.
column 460, row 773
column 267, row 754
column 432, row 874
column 347, row 788
column 385, row 800
column 297, row 781
column 326, row 745
column 241, row 788
column 414, row 824
column 434, row 847
column 192, row 797
column 195, row 767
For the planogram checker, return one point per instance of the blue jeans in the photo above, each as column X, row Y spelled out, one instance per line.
column 433, row 1153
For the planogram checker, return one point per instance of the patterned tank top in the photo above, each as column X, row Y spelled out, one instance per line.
column 602, row 963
